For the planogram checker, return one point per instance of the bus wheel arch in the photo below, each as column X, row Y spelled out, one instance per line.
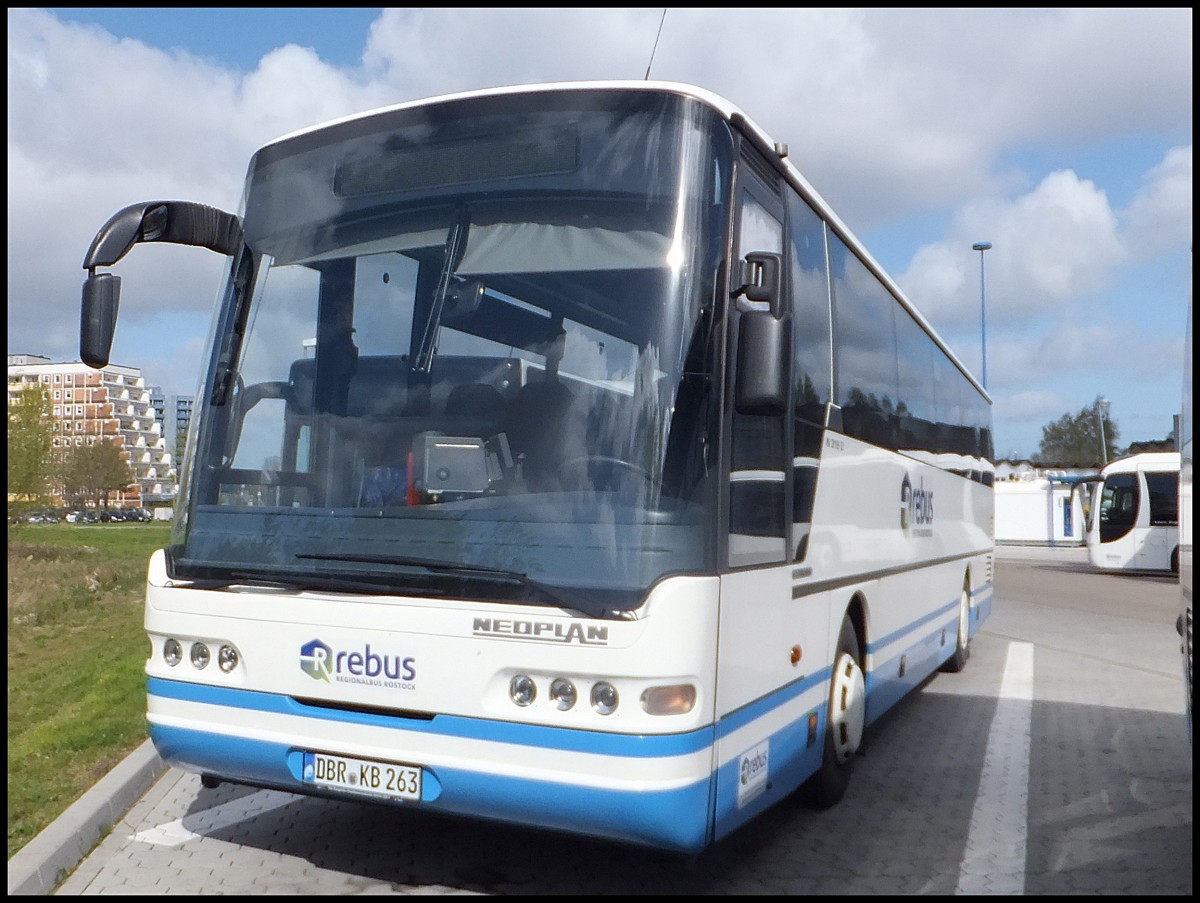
column 845, row 714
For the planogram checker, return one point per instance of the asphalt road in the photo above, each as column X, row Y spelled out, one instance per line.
column 1057, row 762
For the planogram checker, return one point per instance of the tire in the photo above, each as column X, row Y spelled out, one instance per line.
column 962, row 642
column 844, row 723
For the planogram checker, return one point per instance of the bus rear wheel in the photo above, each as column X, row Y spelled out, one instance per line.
column 962, row 643
column 845, row 722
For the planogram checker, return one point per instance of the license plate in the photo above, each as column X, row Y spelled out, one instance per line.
column 387, row 779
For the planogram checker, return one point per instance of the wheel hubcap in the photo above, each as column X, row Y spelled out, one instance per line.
column 848, row 712
column 964, row 619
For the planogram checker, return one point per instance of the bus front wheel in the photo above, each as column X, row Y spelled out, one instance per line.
column 845, row 722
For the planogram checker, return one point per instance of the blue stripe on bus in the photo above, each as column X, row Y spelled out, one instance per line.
column 674, row 818
column 937, row 615
column 542, row 736
column 739, row 718
column 535, row 735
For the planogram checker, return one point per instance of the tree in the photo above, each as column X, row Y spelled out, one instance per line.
column 1076, row 441
column 93, row 471
column 30, row 439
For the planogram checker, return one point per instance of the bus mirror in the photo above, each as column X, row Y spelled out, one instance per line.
column 463, row 299
column 98, row 318
column 175, row 222
column 764, row 345
column 762, row 280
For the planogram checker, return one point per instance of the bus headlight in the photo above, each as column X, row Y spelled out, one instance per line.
column 563, row 694
column 676, row 699
column 522, row 690
column 200, row 655
column 604, row 698
column 172, row 652
column 227, row 658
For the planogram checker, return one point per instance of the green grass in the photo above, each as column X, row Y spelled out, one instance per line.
column 76, row 654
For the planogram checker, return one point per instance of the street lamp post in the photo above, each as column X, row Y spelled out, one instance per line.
column 982, row 246
column 1101, row 408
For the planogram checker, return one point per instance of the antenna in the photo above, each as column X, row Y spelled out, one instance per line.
column 656, row 37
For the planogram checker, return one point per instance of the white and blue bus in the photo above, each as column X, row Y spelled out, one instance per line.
column 563, row 460
column 1134, row 521
column 1186, row 521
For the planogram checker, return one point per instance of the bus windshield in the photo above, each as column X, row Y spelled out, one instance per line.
column 468, row 353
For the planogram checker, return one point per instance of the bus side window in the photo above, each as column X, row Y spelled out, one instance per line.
column 1164, row 498
column 812, row 368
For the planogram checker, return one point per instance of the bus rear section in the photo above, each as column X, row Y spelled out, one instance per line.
column 1134, row 524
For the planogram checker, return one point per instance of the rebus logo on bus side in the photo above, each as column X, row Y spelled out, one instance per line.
column 916, row 508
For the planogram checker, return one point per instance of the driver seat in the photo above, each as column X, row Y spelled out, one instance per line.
column 537, row 424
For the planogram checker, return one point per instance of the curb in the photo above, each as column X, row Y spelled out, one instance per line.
column 64, row 843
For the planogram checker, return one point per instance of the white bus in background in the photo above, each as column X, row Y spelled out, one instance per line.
column 620, row 489
column 1134, row 522
column 1186, row 520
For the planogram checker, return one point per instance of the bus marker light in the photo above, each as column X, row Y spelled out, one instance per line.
column 200, row 655
column 563, row 694
column 797, row 654
column 812, row 728
column 227, row 658
column 522, row 690
column 604, row 698
column 676, row 699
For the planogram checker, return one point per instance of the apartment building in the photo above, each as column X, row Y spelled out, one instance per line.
column 174, row 413
column 113, row 404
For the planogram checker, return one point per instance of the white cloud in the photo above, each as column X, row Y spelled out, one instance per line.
column 1050, row 246
column 1160, row 216
column 894, row 115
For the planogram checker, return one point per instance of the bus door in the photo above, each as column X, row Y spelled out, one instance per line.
column 1161, row 491
column 758, row 618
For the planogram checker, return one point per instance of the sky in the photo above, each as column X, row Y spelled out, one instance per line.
column 1061, row 136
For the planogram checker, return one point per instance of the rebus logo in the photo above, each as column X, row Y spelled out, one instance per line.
column 316, row 660
column 916, row 506
column 320, row 662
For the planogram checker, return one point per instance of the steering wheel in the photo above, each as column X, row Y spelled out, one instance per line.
column 618, row 467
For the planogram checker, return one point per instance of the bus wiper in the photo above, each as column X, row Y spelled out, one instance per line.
column 297, row 582
column 558, row 594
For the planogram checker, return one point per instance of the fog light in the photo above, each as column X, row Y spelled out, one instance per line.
column 676, row 699
column 563, row 694
column 522, row 690
column 172, row 652
column 200, row 655
column 227, row 659
column 604, row 698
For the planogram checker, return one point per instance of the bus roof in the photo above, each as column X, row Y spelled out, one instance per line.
column 1153, row 461
column 736, row 117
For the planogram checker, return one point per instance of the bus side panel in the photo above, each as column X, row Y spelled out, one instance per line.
column 773, row 670
column 902, row 653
